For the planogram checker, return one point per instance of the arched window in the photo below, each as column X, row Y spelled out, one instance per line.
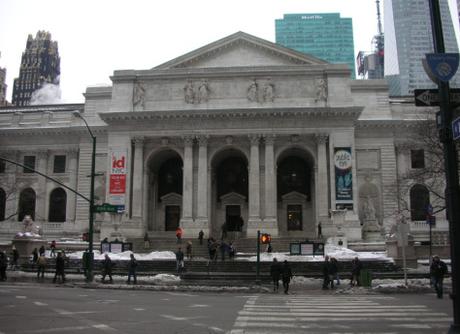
column 27, row 204
column 419, row 200
column 58, row 204
column 2, row 204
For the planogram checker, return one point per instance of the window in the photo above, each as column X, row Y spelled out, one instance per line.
column 58, row 203
column 59, row 164
column 417, row 158
column 419, row 201
column 29, row 161
column 27, row 204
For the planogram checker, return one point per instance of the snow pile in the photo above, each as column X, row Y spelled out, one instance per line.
column 28, row 235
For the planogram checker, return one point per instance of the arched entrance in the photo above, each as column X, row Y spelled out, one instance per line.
column 165, row 191
column 229, row 193
column 58, row 204
column 27, row 204
column 295, row 189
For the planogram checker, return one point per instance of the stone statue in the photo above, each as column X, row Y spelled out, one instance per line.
column 253, row 91
column 139, row 96
column 368, row 209
column 29, row 229
column 203, row 92
column 189, row 94
column 321, row 90
column 269, row 92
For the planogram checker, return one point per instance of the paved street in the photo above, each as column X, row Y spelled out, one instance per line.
column 32, row 308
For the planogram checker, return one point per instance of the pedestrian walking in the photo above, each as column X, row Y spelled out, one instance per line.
column 286, row 275
column 85, row 262
column 335, row 265
column 60, row 266
column 146, row 241
column 41, row 262
column 223, row 247
column 231, row 251
column 332, row 271
column 3, row 265
column 14, row 258
column 188, row 250
column 179, row 235
column 275, row 273
column 179, row 261
column 269, row 248
column 326, row 268
column 107, row 268
column 201, row 236
column 41, row 250
column 34, row 256
column 224, row 229
column 356, row 267
column 53, row 248
column 132, row 266
column 438, row 269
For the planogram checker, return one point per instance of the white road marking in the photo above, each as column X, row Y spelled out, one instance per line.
column 21, row 297
column 40, row 304
column 64, row 312
column 413, row 326
column 173, row 317
column 139, row 309
column 181, row 294
column 103, row 327
column 58, row 330
column 199, row 305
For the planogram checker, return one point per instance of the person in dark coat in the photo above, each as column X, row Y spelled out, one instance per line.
column 275, row 273
column 41, row 262
column 286, row 274
column 201, row 236
column 231, row 251
column 42, row 250
column 60, row 265
column 326, row 268
column 332, row 271
column 179, row 260
column 3, row 265
column 132, row 265
column 437, row 271
column 356, row 267
column 14, row 258
column 107, row 268
column 34, row 256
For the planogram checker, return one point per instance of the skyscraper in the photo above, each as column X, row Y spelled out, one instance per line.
column 2, row 87
column 325, row 36
column 408, row 38
column 40, row 64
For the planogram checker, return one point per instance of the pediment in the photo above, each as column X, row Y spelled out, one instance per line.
column 232, row 197
column 241, row 50
column 294, row 196
column 171, row 198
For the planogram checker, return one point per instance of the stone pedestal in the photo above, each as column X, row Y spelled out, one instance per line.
column 372, row 230
column 25, row 246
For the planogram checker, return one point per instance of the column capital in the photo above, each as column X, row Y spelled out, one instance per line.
column 138, row 141
column 42, row 154
column 269, row 139
column 188, row 140
column 254, row 139
column 321, row 138
column 202, row 140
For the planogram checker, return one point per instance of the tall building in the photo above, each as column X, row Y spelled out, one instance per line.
column 3, row 87
column 408, row 38
column 326, row 36
column 40, row 64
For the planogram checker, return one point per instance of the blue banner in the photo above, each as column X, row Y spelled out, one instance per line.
column 343, row 175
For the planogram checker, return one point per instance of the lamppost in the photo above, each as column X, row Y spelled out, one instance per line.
column 90, row 257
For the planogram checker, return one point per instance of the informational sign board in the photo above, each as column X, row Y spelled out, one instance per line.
column 456, row 128
column 343, row 175
column 294, row 248
column 117, row 177
column 105, row 247
column 306, row 248
column 116, row 247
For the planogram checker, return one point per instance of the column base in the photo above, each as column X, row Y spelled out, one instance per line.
column 270, row 226
column 254, row 225
column 191, row 228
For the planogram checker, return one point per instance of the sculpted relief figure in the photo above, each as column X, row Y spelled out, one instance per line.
column 194, row 94
column 189, row 94
column 203, row 92
column 253, row 91
column 139, row 96
column 321, row 90
column 269, row 89
column 368, row 209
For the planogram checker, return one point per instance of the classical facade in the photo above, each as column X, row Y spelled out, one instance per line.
column 241, row 131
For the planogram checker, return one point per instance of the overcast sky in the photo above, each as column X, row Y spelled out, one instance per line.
column 96, row 37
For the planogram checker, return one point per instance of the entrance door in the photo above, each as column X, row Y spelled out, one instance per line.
column 294, row 217
column 172, row 217
column 233, row 218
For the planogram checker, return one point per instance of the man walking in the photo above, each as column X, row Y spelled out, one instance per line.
column 41, row 262
column 179, row 260
column 60, row 264
column 286, row 275
column 437, row 270
column 132, row 265
column 107, row 268
column 275, row 273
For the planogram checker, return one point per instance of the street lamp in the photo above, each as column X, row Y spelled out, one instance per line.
column 90, row 257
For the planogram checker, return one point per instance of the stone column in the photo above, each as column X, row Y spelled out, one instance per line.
column 202, row 220
column 321, row 185
column 187, row 193
column 254, row 187
column 42, row 193
column 72, row 171
column 137, row 177
column 271, row 205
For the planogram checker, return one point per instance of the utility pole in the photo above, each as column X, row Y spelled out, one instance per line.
column 451, row 167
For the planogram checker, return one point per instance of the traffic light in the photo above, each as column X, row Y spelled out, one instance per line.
column 265, row 238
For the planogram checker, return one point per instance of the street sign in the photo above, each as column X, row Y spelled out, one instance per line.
column 442, row 66
column 431, row 220
column 456, row 128
column 106, row 207
column 430, row 97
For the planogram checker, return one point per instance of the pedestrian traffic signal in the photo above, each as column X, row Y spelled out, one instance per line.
column 265, row 238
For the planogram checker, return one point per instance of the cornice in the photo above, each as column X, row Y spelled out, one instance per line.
column 348, row 113
column 387, row 124
column 82, row 131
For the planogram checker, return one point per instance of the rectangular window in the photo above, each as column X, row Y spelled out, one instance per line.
column 29, row 161
column 417, row 158
column 59, row 164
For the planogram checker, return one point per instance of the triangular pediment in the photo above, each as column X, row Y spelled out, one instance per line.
column 232, row 198
column 171, row 198
column 241, row 50
column 294, row 196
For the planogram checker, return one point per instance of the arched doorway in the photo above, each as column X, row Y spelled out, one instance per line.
column 295, row 180
column 165, row 191
column 58, row 206
column 27, row 199
column 419, row 201
column 230, row 192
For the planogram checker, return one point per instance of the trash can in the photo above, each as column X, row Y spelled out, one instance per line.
column 365, row 278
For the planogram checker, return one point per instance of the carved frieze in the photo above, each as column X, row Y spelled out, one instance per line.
column 321, row 89
column 196, row 92
column 261, row 93
column 139, row 96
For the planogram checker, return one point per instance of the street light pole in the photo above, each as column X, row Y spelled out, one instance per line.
column 90, row 257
